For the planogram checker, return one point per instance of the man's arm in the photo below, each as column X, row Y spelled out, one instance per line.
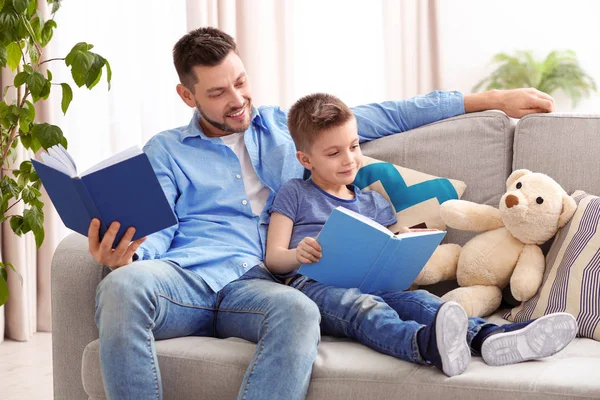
column 383, row 119
column 148, row 247
column 516, row 103
column 158, row 243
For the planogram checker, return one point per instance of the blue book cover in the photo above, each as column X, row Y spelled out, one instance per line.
column 123, row 188
column 360, row 253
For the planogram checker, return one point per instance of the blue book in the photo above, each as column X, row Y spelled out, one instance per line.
column 123, row 188
column 360, row 253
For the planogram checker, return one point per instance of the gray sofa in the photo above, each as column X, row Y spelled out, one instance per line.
column 480, row 149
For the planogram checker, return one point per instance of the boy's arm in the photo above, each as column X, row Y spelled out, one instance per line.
column 280, row 259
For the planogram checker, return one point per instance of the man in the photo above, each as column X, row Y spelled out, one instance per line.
column 220, row 174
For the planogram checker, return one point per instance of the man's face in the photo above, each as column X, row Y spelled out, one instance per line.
column 222, row 95
column 335, row 156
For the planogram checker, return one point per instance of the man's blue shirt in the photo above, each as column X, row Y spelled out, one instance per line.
column 217, row 234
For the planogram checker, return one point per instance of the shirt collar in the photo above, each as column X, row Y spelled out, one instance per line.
column 194, row 129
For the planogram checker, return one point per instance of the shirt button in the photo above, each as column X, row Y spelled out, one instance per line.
column 238, row 176
column 245, row 265
column 244, row 202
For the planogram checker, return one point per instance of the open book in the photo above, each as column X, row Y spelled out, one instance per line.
column 360, row 253
column 123, row 188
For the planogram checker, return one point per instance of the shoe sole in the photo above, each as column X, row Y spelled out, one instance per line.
column 544, row 337
column 451, row 335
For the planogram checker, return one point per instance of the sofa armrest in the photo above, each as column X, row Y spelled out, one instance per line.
column 75, row 275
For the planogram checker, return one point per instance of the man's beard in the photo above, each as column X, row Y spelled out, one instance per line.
column 222, row 125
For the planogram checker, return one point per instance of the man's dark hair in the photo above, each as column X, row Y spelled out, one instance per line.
column 204, row 46
column 313, row 114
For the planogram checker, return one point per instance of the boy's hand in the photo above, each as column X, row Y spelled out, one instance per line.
column 308, row 251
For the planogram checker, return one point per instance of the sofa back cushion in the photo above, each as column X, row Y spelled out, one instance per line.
column 563, row 146
column 473, row 148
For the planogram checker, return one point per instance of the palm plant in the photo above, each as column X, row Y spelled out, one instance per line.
column 560, row 70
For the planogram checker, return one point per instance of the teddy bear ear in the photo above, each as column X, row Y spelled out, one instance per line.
column 569, row 207
column 516, row 175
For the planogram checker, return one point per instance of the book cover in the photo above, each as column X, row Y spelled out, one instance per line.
column 360, row 253
column 126, row 191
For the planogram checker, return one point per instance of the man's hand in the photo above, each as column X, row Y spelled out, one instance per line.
column 308, row 251
column 103, row 252
column 516, row 103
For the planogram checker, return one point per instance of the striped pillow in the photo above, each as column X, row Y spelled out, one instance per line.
column 571, row 280
column 415, row 196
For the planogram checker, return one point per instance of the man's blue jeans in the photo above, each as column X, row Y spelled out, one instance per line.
column 386, row 321
column 154, row 300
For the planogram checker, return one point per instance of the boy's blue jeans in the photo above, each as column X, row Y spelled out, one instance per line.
column 386, row 321
column 153, row 300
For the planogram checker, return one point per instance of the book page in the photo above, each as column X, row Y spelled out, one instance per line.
column 365, row 220
column 117, row 158
column 59, row 153
column 56, row 164
column 418, row 233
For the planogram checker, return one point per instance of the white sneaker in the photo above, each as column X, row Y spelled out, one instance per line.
column 451, row 326
column 543, row 337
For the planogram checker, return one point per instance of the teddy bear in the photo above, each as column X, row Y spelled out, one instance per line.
column 507, row 251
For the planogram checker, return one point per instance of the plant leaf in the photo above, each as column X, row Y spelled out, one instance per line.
column 32, row 8
column 47, row 32
column 21, row 78
column 108, row 73
column 3, row 290
column 13, row 52
column 9, row 187
column 34, row 217
column 16, row 224
column 67, row 97
column 3, row 55
column 36, row 83
column 20, row 5
column 47, row 135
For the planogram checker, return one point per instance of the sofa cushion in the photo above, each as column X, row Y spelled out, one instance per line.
column 209, row 368
column 473, row 148
column 415, row 196
column 562, row 146
column 570, row 282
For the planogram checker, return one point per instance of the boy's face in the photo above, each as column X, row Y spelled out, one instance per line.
column 335, row 156
column 222, row 95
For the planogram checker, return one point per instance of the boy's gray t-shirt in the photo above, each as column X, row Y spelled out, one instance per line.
column 309, row 207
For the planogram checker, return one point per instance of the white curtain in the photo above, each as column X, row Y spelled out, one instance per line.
column 360, row 50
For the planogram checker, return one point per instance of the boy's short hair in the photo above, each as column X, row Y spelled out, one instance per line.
column 204, row 46
column 313, row 114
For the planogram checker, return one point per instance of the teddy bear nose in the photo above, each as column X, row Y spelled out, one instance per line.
column 511, row 200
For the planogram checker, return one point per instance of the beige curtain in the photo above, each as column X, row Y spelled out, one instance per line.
column 263, row 32
column 28, row 308
column 411, row 44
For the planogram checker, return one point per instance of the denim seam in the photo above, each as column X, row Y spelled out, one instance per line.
column 152, row 361
column 184, row 304
column 260, row 349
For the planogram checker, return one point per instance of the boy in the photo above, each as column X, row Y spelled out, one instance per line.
column 414, row 326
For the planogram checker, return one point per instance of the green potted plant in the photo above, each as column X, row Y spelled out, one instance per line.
column 23, row 36
column 559, row 70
